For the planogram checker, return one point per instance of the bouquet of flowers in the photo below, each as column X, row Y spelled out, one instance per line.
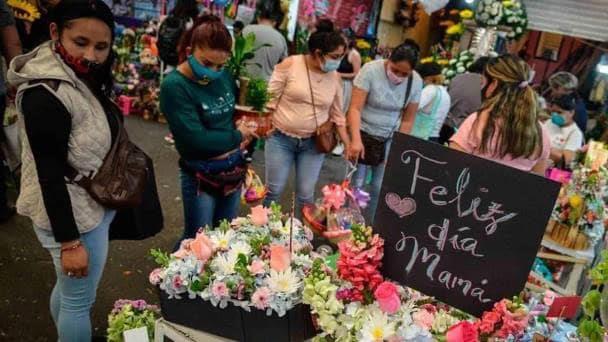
column 510, row 13
column 338, row 210
column 254, row 190
column 131, row 314
column 258, row 261
column 579, row 214
column 458, row 65
column 357, row 304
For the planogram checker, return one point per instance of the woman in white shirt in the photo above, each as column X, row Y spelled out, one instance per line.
column 566, row 136
column 434, row 103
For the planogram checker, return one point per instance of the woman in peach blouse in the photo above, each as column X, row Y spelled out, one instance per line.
column 297, row 83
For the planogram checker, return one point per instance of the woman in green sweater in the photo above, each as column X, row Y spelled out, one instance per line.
column 198, row 100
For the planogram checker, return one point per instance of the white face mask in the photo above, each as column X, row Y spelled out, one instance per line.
column 393, row 77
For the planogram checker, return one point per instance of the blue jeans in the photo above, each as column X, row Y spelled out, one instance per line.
column 72, row 298
column 376, row 184
column 281, row 153
column 202, row 209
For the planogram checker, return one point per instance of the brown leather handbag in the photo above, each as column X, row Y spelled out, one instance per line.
column 121, row 179
column 325, row 136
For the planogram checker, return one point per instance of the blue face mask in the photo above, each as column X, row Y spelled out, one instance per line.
column 202, row 73
column 557, row 119
column 331, row 65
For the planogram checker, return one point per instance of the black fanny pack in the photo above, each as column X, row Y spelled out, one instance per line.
column 375, row 148
column 220, row 183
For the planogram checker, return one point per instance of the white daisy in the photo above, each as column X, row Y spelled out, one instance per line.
column 240, row 247
column 221, row 240
column 283, row 282
column 224, row 264
column 377, row 328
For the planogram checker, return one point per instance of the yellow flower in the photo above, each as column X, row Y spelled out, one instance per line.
column 443, row 61
column 576, row 201
column 427, row 60
column 455, row 30
column 363, row 44
column 507, row 3
column 366, row 59
column 466, row 14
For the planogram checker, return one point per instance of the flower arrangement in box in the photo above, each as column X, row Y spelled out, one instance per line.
column 355, row 303
column 255, row 262
column 333, row 216
column 131, row 314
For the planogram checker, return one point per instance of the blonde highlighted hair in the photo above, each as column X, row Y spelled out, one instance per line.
column 513, row 120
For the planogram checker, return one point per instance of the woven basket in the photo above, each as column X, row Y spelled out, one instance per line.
column 567, row 236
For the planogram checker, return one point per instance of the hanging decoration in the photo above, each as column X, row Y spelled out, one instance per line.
column 484, row 42
column 509, row 13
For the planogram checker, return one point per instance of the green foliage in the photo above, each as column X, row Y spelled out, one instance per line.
column 599, row 274
column 128, row 319
column 591, row 329
column 275, row 211
column 591, row 303
column 224, row 226
column 244, row 50
column 257, row 94
column 258, row 242
column 160, row 257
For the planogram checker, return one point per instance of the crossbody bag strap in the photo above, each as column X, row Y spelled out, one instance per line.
column 312, row 97
column 408, row 91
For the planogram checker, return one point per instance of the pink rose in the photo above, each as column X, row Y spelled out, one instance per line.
column 256, row 267
column 463, row 332
column 155, row 276
column 259, row 215
column 260, row 298
column 202, row 247
column 280, row 258
column 388, row 297
column 423, row 319
column 219, row 289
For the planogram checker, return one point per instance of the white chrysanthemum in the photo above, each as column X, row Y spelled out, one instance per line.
column 221, row 240
column 377, row 328
column 283, row 282
column 224, row 264
column 240, row 247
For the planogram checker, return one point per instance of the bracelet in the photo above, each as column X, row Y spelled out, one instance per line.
column 72, row 247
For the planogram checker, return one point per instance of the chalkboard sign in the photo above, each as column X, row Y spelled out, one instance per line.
column 458, row 227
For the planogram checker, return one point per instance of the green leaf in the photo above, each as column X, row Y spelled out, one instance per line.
column 161, row 258
column 591, row 329
column 591, row 303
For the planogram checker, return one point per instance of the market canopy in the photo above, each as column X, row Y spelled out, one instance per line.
column 581, row 18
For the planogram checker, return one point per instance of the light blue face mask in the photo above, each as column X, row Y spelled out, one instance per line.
column 331, row 65
column 202, row 73
column 557, row 119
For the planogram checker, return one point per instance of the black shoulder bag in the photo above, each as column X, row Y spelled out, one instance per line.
column 375, row 147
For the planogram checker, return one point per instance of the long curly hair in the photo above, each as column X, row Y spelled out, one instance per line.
column 513, row 120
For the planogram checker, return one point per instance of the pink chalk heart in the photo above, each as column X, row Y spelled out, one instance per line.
column 402, row 207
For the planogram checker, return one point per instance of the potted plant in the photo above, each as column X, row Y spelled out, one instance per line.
column 243, row 51
column 256, row 99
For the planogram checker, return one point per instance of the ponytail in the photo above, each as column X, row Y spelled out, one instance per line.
column 513, row 120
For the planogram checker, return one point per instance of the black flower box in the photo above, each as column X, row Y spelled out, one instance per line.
column 237, row 324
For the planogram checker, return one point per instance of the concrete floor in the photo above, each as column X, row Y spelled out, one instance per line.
column 27, row 275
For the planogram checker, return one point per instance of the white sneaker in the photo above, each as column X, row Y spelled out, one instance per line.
column 338, row 150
